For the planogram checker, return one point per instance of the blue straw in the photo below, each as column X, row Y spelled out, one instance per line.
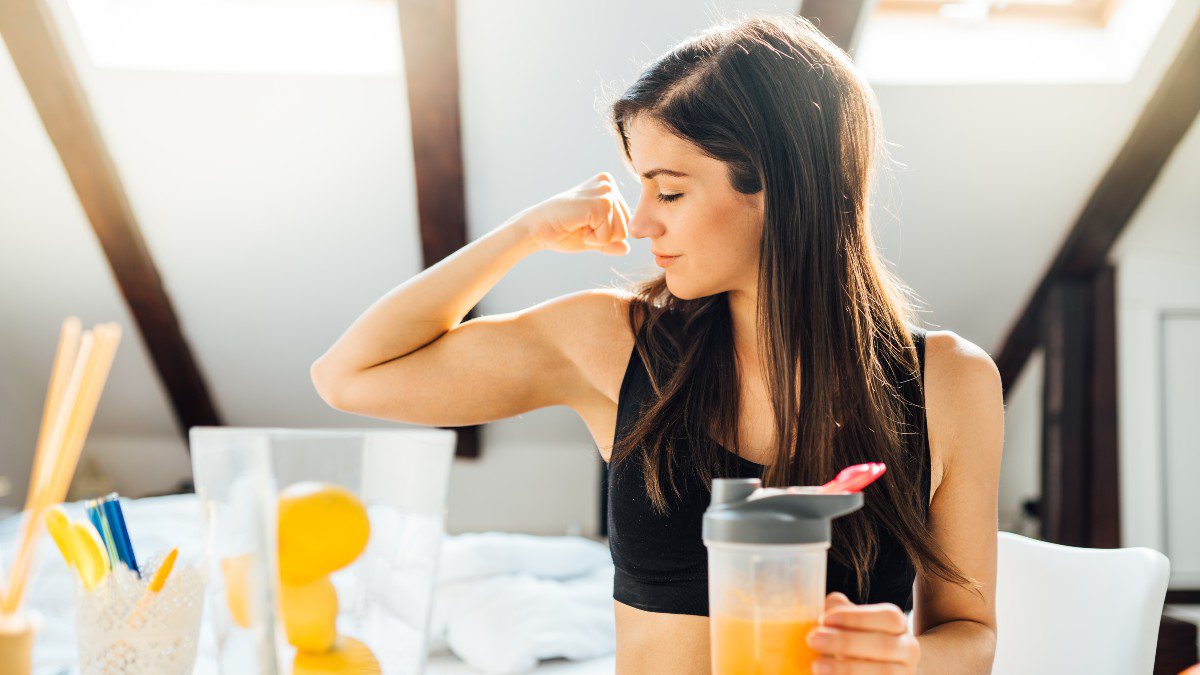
column 115, row 519
column 96, row 515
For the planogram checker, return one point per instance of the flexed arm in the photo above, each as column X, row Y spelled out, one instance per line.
column 409, row 357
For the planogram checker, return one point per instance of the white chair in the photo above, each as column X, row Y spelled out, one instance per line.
column 1061, row 609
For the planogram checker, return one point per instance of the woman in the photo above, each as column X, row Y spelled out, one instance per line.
column 774, row 318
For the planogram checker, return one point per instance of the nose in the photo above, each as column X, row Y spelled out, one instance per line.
column 643, row 223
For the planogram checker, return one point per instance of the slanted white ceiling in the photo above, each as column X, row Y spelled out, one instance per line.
column 278, row 206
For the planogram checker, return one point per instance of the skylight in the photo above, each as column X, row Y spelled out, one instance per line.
column 1014, row 42
column 357, row 37
column 1092, row 13
column 903, row 42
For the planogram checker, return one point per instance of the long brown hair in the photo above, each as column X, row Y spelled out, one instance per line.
column 787, row 112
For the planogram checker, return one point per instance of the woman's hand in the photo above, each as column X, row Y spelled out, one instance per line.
column 863, row 640
column 591, row 216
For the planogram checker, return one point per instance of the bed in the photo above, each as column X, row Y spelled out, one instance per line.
column 161, row 522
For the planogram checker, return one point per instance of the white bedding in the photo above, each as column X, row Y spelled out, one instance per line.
column 569, row 615
column 451, row 665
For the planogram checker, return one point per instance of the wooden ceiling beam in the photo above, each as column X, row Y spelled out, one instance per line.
column 1163, row 122
column 429, row 36
column 840, row 20
column 1080, row 496
column 41, row 57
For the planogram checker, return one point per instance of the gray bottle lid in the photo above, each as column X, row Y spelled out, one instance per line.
column 744, row 512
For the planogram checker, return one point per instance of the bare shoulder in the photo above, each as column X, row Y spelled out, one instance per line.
column 963, row 398
column 590, row 328
column 951, row 355
column 576, row 320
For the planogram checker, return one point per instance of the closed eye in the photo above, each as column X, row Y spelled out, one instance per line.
column 669, row 198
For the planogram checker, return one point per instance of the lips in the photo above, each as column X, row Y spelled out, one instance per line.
column 663, row 261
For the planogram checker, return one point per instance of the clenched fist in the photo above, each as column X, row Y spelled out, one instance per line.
column 591, row 216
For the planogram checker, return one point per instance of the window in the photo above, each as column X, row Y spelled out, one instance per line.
column 310, row 37
column 1016, row 42
column 1095, row 13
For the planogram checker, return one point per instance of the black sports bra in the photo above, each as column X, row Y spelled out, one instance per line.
column 661, row 561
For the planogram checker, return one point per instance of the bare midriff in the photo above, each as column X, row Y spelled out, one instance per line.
column 666, row 644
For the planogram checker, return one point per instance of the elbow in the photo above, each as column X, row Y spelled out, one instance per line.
column 328, row 385
column 985, row 641
column 989, row 646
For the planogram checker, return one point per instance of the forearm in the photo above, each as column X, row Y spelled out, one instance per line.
column 958, row 648
column 426, row 306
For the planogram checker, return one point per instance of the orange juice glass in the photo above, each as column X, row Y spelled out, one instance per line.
column 767, row 551
column 751, row 647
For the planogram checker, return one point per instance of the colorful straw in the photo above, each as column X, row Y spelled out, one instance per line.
column 105, row 513
column 96, row 515
column 164, row 569
column 116, row 522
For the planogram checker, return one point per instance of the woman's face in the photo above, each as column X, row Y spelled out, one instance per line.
column 712, row 228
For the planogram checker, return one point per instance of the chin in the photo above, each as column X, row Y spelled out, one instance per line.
column 684, row 292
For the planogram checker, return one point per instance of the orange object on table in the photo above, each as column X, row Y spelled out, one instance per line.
column 756, row 647
column 17, row 634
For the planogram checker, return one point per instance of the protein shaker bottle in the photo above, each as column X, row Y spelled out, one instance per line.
column 767, row 549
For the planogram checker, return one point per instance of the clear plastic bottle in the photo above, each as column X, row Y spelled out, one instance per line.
column 767, row 551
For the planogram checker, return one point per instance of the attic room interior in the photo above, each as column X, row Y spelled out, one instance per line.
column 463, row 336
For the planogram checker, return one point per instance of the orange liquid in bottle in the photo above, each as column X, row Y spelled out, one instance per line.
column 764, row 647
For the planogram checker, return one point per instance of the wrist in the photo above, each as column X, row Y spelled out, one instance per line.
column 518, row 234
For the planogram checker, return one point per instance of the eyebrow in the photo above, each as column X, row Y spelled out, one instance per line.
column 649, row 175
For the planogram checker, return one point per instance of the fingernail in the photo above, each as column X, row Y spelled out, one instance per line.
column 821, row 668
column 818, row 639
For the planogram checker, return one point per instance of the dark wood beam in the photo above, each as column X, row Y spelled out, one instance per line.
column 1067, row 341
column 1080, row 496
column 1104, row 455
column 840, row 20
column 40, row 55
column 429, row 35
column 1183, row 597
column 1162, row 124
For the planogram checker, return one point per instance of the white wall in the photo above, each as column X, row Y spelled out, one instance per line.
column 1021, row 469
column 1158, row 277
column 1158, row 274
column 1158, row 271
column 279, row 205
